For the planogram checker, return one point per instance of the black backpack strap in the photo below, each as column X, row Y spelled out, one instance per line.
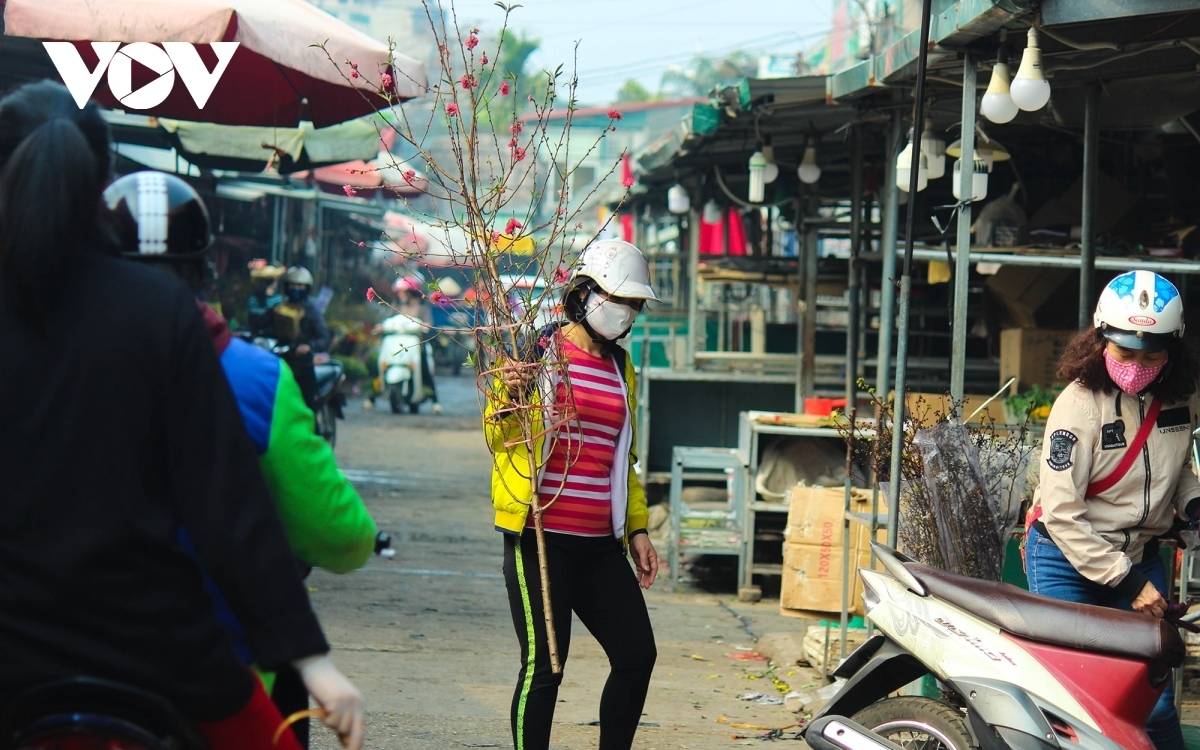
column 619, row 356
column 531, row 348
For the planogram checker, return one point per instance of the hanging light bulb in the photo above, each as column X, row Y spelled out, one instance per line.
column 809, row 172
column 758, row 185
column 997, row 104
column 712, row 212
column 1030, row 89
column 771, row 172
column 678, row 201
column 904, row 169
column 934, row 148
column 979, row 179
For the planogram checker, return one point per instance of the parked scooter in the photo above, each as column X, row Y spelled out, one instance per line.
column 400, row 369
column 85, row 712
column 329, row 401
column 1019, row 671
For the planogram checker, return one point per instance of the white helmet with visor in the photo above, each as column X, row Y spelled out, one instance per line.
column 1140, row 310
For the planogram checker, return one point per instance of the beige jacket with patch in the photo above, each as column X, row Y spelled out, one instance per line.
column 1104, row 536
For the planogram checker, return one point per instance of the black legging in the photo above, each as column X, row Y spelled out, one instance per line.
column 306, row 376
column 592, row 577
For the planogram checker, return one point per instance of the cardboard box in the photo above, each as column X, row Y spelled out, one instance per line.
column 926, row 409
column 1024, row 289
column 812, row 578
column 813, row 551
column 815, row 515
column 1031, row 354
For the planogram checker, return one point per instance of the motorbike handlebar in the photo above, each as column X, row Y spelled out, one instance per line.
column 383, row 545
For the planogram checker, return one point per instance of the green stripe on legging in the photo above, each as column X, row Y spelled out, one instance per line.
column 531, row 646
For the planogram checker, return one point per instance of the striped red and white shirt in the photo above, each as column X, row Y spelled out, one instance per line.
column 592, row 411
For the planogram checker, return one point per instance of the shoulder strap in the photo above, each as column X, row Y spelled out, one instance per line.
column 1131, row 453
column 619, row 355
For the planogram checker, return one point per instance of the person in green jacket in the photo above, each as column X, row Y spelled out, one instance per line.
column 324, row 517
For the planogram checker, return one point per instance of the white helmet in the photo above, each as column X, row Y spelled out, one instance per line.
column 1140, row 310
column 298, row 275
column 617, row 267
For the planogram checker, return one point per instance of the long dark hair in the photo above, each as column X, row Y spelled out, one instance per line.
column 54, row 163
column 1082, row 361
column 574, row 302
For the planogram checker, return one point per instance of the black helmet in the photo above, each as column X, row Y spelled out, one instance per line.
column 158, row 215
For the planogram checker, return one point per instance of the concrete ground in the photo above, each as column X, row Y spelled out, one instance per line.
column 428, row 637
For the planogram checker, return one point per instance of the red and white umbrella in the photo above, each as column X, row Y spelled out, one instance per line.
column 274, row 77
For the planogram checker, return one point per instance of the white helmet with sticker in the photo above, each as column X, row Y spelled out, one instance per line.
column 618, row 267
column 1140, row 310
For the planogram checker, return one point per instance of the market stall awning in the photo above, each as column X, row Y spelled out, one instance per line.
column 723, row 132
column 356, row 139
column 275, row 77
column 382, row 172
column 248, row 148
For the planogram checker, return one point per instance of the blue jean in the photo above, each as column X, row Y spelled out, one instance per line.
column 1052, row 574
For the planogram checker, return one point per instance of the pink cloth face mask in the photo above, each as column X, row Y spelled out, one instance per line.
column 1133, row 377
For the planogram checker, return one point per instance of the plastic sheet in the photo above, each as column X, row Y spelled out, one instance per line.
column 970, row 486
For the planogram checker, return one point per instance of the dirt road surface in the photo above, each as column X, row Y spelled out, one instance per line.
column 428, row 637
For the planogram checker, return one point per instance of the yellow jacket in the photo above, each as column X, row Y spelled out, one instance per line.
column 511, row 488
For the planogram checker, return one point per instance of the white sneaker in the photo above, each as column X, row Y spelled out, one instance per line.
column 437, row 409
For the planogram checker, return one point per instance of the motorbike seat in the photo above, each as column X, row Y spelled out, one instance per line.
column 1081, row 627
column 327, row 373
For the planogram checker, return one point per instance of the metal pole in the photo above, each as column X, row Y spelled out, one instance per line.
column 695, row 334
column 809, row 364
column 801, row 284
column 275, row 212
column 1087, row 253
column 852, row 288
column 891, row 218
column 895, row 475
column 323, row 260
column 962, row 263
column 852, row 293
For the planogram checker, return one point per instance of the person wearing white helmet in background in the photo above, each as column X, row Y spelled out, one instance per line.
column 599, row 511
column 1115, row 471
column 313, row 336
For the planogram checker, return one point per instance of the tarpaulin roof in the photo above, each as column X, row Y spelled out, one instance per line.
column 276, row 77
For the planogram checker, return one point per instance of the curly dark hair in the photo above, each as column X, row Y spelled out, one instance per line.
column 1082, row 361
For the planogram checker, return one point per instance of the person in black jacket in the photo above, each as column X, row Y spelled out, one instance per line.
column 120, row 429
column 309, row 335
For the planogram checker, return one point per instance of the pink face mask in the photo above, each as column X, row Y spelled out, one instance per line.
column 1133, row 377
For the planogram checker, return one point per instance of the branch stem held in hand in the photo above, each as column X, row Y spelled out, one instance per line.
column 535, row 507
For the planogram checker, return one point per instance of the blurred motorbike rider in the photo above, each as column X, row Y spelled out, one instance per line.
column 411, row 299
column 130, row 434
column 298, row 321
column 265, row 295
column 1116, row 463
column 324, row 517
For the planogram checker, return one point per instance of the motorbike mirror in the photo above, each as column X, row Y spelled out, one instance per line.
column 840, row 733
column 893, row 563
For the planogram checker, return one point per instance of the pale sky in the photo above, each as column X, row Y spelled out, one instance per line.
column 622, row 39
